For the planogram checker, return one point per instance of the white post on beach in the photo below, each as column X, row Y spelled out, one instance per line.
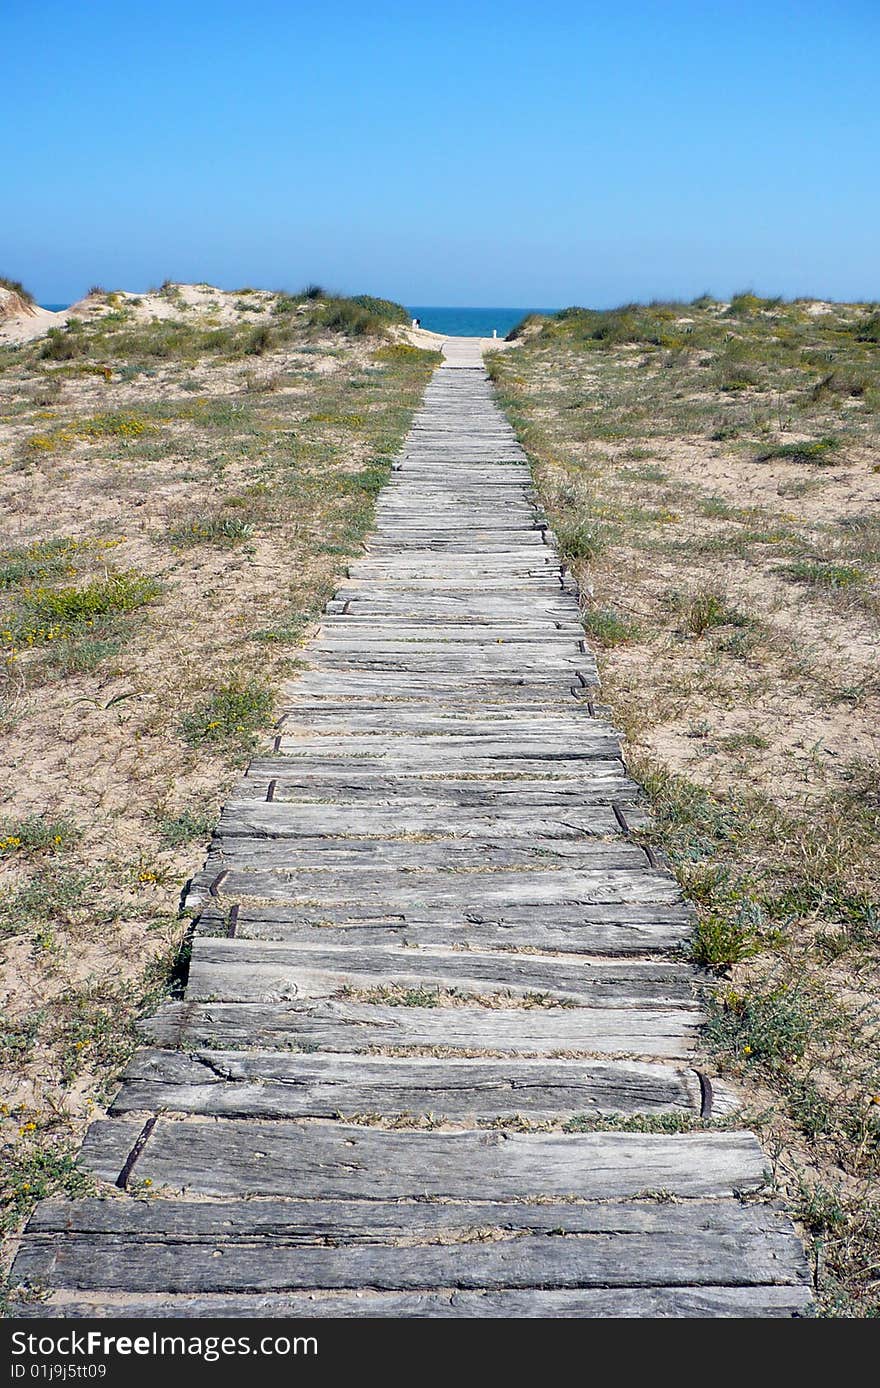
column 494, row 332
column 415, row 322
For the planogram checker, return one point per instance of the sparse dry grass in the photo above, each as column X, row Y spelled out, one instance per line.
column 398, row 995
column 713, row 473
column 178, row 498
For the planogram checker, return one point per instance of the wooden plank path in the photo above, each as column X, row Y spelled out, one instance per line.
column 430, row 954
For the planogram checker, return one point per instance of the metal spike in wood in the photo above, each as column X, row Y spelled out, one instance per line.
column 437, row 1021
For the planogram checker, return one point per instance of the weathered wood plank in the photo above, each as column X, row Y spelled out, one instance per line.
column 514, row 699
column 638, row 1303
column 258, row 971
column 605, row 784
column 524, row 686
column 339, row 1161
column 384, row 1221
column 475, row 665
column 362, row 602
column 470, row 656
column 528, row 1260
column 259, row 852
column 457, row 793
column 506, row 633
column 434, row 543
column 576, row 730
column 337, row 1025
column 615, row 929
column 452, row 763
column 287, row 819
column 464, row 890
column 333, row 927
column 571, row 719
column 274, row 1084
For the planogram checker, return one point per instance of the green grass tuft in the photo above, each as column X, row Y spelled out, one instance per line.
column 405, row 352
column 822, row 575
column 724, row 938
column 704, row 611
column 234, row 712
column 384, row 309
column 35, row 834
column 186, row 827
column 57, row 609
column 40, row 560
column 868, row 330
column 608, row 626
column 747, row 303
column 216, row 530
column 847, row 383
column 581, row 540
column 35, row 1170
column 771, row 1028
column 362, row 316
column 16, row 287
column 819, row 452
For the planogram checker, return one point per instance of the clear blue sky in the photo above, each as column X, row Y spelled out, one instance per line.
column 452, row 153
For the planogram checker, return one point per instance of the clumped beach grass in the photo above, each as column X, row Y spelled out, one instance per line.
column 234, row 712
column 713, row 473
column 182, row 476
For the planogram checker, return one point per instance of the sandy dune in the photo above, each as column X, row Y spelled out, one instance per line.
column 21, row 321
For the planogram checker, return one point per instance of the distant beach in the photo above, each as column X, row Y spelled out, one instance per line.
column 471, row 322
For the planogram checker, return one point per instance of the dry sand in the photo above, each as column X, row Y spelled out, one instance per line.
column 21, row 321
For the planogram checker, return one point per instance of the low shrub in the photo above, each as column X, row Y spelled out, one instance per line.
column 820, row 452
column 608, row 627
column 821, row 574
column 49, row 612
column 233, row 712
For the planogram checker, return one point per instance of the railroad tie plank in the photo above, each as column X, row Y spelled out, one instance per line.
column 287, row 819
column 272, row 1083
column 280, row 1246
column 341, row 1025
column 238, row 970
column 259, row 852
column 454, row 794
column 631, row 1303
column 472, row 890
column 341, row 1161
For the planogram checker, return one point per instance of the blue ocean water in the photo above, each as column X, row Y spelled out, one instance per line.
column 471, row 322
column 55, row 308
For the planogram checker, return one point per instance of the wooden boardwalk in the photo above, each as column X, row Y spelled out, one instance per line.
column 430, row 954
